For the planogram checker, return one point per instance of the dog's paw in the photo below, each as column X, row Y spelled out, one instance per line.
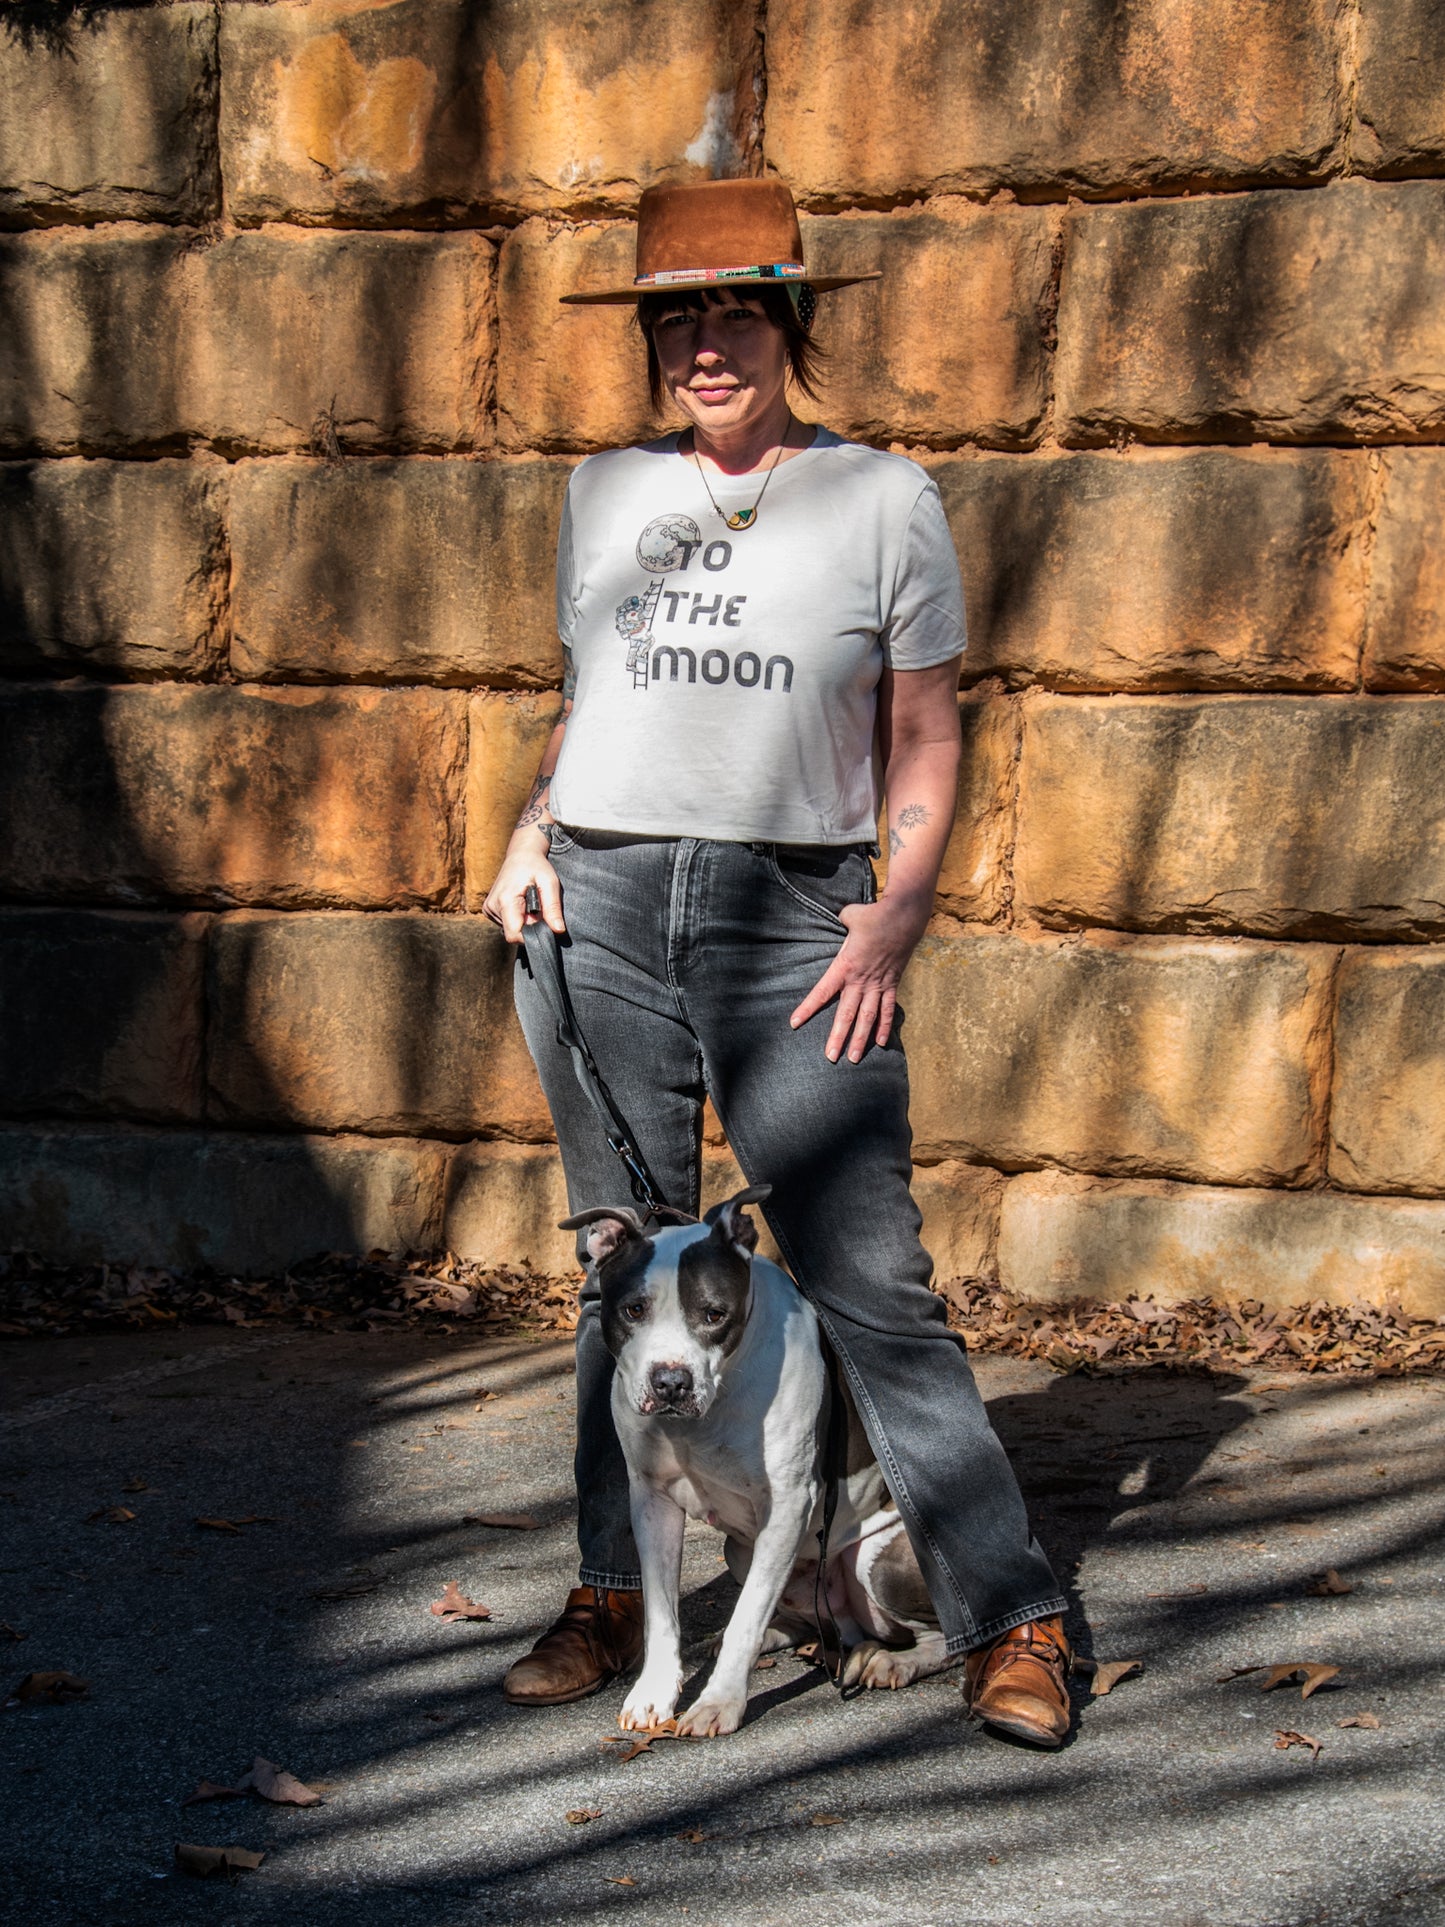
column 872, row 1666
column 709, row 1717
column 650, row 1702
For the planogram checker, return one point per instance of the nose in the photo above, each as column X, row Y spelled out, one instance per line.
column 671, row 1382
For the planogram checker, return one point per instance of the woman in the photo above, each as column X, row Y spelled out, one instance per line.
column 761, row 624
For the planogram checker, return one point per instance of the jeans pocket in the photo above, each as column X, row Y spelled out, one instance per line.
column 822, row 880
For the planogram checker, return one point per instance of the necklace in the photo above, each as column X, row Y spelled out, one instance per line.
column 743, row 518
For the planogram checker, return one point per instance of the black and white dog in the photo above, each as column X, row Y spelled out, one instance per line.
column 720, row 1398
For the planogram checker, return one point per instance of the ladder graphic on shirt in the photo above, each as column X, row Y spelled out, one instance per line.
column 641, row 645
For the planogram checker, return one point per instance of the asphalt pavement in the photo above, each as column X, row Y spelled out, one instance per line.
column 1190, row 1516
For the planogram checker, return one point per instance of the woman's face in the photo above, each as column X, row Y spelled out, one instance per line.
column 726, row 365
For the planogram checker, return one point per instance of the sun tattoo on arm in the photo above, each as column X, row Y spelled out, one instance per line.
column 911, row 817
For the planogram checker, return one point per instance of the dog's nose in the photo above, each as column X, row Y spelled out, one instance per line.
column 671, row 1382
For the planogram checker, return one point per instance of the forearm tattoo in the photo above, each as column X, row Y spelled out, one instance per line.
column 911, row 817
column 535, row 807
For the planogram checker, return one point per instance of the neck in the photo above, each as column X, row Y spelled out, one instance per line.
column 738, row 450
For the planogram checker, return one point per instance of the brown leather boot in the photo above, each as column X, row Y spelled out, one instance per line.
column 598, row 1636
column 1018, row 1683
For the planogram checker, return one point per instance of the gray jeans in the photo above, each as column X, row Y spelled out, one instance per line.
column 684, row 960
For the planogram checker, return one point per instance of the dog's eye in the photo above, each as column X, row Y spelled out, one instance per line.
column 712, row 1316
column 634, row 1313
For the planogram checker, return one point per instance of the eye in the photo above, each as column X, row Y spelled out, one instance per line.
column 712, row 1316
column 635, row 1312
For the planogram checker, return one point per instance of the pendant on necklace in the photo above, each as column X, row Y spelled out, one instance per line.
column 742, row 518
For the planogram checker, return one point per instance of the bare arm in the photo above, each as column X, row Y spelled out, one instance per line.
column 526, row 864
column 920, row 743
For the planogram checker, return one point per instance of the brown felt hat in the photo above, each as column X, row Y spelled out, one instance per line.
column 712, row 234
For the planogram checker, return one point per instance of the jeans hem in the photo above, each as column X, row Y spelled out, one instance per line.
column 960, row 1643
column 609, row 1581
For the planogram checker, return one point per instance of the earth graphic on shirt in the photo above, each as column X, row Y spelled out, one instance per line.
column 666, row 542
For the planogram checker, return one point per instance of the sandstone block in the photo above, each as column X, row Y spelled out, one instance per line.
column 542, row 345
column 415, row 111
column 951, row 342
column 879, row 101
column 1405, row 637
column 370, row 1023
column 1245, row 317
column 503, row 1205
column 960, row 1206
column 389, row 335
column 412, row 571
column 1211, row 569
column 1178, row 1058
column 223, row 795
column 1064, row 1237
column 102, row 1014
column 123, row 341
column 507, row 734
column 115, row 566
column 95, row 351
column 109, row 115
column 241, row 1204
column 1399, row 119
column 1387, row 1118
column 973, row 881
column 1286, row 816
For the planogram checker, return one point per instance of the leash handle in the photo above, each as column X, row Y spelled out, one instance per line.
column 544, row 960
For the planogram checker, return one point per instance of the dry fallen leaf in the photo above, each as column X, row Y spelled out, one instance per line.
column 49, row 1689
column 206, row 1862
column 765, row 1662
column 7, row 1631
column 1314, row 1677
column 275, row 1784
column 454, row 1605
column 693, row 1835
column 1329, row 1585
column 619, row 1880
column 135, row 1485
column 1284, row 1740
column 219, row 1525
column 111, row 1515
column 509, row 1521
column 1108, row 1673
column 579, row 1816
column 1367, row 1720
column 213, row 1790
column 826, row 1820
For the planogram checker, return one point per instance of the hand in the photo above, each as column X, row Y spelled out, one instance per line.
column 524, row 867
column 864, row 975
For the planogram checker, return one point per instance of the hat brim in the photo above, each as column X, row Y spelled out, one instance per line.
column 819, row 283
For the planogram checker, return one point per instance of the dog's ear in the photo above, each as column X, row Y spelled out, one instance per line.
column 613, row 1225
column 731, row 1223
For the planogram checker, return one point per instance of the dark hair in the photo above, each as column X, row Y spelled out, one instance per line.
column 805, row 356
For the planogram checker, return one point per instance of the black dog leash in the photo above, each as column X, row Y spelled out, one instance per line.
column 544, row 960
column 835, row 1469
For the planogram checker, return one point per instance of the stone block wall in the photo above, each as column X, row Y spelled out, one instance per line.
column 287, row 405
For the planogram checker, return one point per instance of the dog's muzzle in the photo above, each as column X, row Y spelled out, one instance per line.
column 670, row 1388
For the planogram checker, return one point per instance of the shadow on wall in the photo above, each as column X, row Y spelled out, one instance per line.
column 121, row 806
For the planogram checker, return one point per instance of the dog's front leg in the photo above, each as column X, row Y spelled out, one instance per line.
column 720, row 1706
column 657, row 1526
